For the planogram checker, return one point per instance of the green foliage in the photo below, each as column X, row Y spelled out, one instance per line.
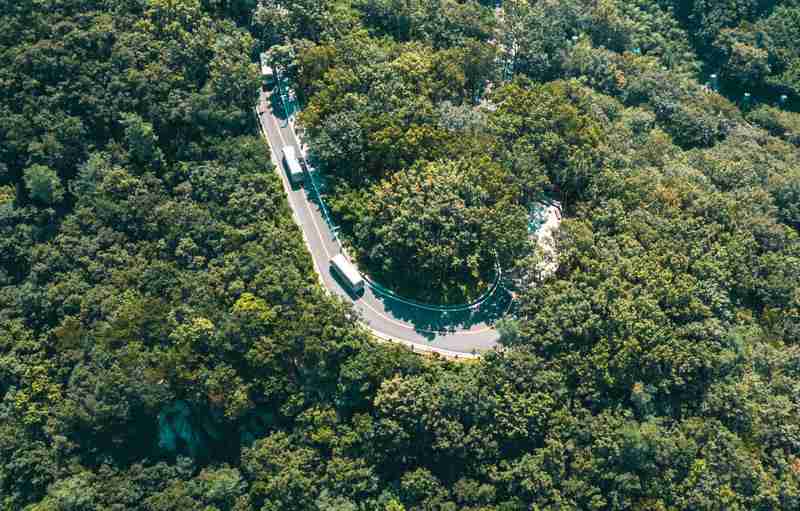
column 44, row 185
column 164, row 342
column 779, row 123
column 554, row 128
column 751, row 42
column 441, row 23
column 142, row 141
column 443, row 221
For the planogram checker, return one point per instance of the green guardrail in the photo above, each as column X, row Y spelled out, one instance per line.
column 438, row 308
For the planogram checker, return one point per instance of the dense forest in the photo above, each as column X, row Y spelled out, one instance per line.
column 165, row 343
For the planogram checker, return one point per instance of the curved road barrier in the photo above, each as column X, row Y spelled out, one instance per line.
column 438, row 308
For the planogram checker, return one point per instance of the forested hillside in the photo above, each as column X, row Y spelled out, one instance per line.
column 164, row 341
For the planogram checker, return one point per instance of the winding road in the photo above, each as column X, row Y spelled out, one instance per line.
column 462, row 334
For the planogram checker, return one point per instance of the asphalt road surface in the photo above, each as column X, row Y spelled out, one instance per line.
column 461, row 334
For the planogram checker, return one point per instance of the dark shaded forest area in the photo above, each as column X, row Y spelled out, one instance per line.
column 165, row 344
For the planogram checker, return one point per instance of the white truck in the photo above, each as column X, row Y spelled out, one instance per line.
column 292, row 165
column 348, row 273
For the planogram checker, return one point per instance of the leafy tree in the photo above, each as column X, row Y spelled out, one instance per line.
column 550, row 128
column 142, row 141
column 778, row 122
column 43, row 184
column 445, row 220
column 164, row 342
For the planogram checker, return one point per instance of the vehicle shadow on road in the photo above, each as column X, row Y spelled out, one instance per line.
column 344, row 285
column 311, row 195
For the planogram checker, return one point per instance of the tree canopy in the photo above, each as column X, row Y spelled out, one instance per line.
column 165, row 343
column 443, row 218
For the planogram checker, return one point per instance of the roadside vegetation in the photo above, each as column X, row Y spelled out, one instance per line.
column 165, row 344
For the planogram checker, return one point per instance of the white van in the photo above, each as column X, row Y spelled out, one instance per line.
column 348, row 273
